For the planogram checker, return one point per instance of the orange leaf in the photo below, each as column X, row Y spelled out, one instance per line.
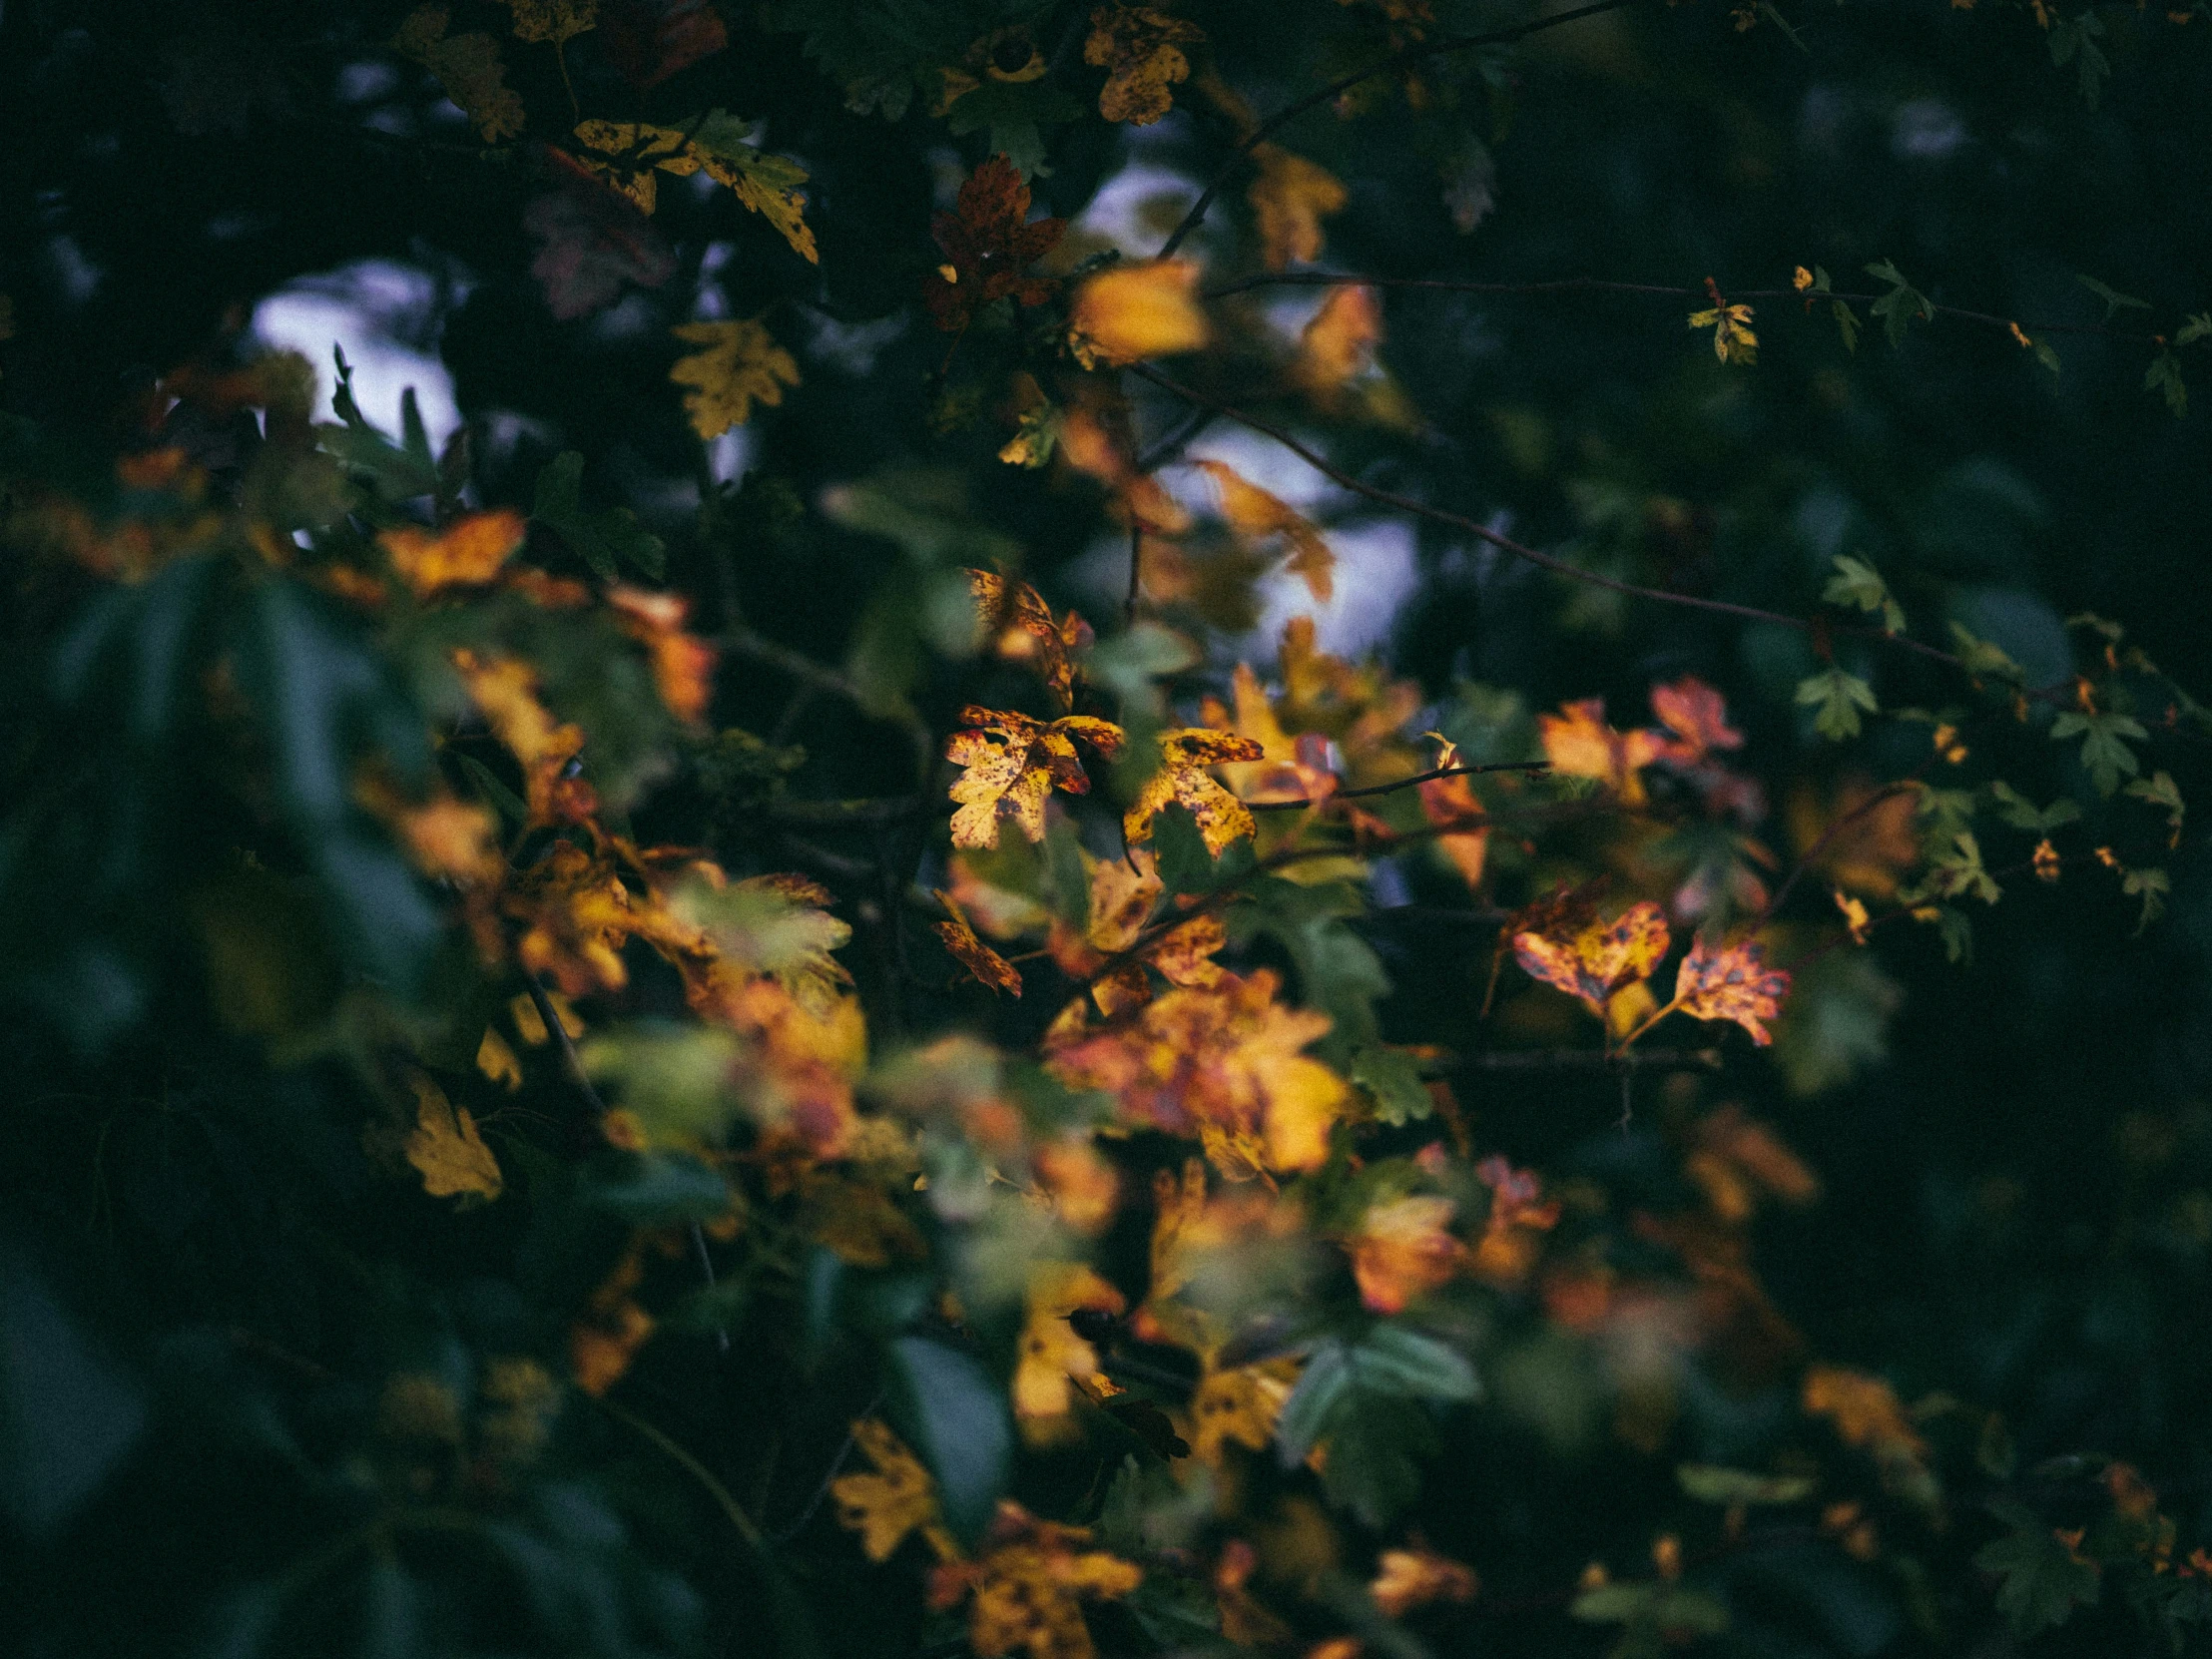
column 1183, row 756
column 1597, row 960
column 683, row 664
column 466, row 553
column 1698, row 716
column 1013, row 763
column 1139, row 47
column 1733, row 983
column 1291, row 197
column 986, row 965
column 1403, row 1249
column 1135, row 311
column 1022, row 629
column 505, row 689
column 1253, row 512
column 1337, row 342
column 1408, row 1578
column 1579, row 742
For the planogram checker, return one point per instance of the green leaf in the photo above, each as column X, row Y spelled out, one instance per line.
column 1375, row 1456
column 1839, row 698
column 2043, row 1583
column 674, row 1078
column 1394, row 1359
column 1900, row 304
column 2077, row 39
column 2160, row 790
column 399, row 472
column 2021, row 814
column 1983, row 659
column 2198, row 326
column 1393, row 1082
column 2104, row 752
column 1710, row 1483
column 657, row 1189
column 2164, row 375
column 952, row 1411
column 1184, row 860
column 2113, row 299
column 2153, row 888
column 603, row 540
column 1856, row 583
column 1321, row 1386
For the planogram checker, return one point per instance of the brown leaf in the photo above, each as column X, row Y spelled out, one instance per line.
column 984, row 966
column 988, row 242
column 1140, row 49
column 1251, row 511
column 1022, row 628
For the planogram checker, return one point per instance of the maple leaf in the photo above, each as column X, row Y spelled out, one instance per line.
column 1052, row 1357
column 505, row 689
column 1135, row 311
column 1865, row 1412
column 988, row 242
column 898, row 1499
column 1140, row 48
column 741, row 364
column 984, row 966
column 1027, row 1587
column 602, row 1344
column 1596, row 958
column 1013, row 764
column 1698, row 716
column 1452, row 801
column 1239, row 1405
column 1734, row 984
column 1291, row 197
column 778, row 927
column 1185, row 753
column 1408, row 1578
column 1337, row 342
column 1403, row 1249
column 1022, row 629
column 467, row 67
column 1251, row 511
column 1579, row 742
column 1224, row 1063
column 554, row 21
column 446, row 1150
column 591, row 240
column 717, row 141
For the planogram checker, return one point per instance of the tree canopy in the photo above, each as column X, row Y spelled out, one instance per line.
column 1355, row 829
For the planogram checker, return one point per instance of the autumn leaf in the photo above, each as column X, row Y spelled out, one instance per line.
column 717, row 141
column 497, row 1061
column 1095, row 440
column 1732, row 340
column 1337, row 342
column 613, row 1328
column 554, row 21
column 1022, row 629
column 778, row 927
column 741, row 365
column 1732, row 984
column 1134, row 311
column 505, row 689
column 683, row 664
column 988, row 240
column 446, row 1150
column 1577, row 742
column 1865, row 1412
column 1697, row 715
column 1026, row 1588
column 1185, row 753
column 1253, row 512
column 1408, row 1578
column 1403, row 1249
column 1222, row 1063
column 1597, row 959
column 445, row 835
column 1238, row 1407
column 1012, row 764
column 467, row 67
column 897, row 1499
column 1452, row 801
column 1290, row 198
column 1140, row 48
column 984, row 966
column 1052, row 1358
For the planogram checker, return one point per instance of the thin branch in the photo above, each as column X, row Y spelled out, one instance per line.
column 743, row 641
column 1136, row 573
column 1520, row 550
column 1889, row 792
column 1598, row 1059
column 745, row 1527
column 1402, row 784
column 1592, row 284
column 1345, row 83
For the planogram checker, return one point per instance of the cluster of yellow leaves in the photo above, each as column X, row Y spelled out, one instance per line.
column 556, row 21
column 1122, row 894
column 1012, row 764
column 1140, row 48
column 467, row 67
column 1289, row 199
column 1253, row 512
column 1131, row 312
column 739, row 364
column 445, row 1148
column 766, row 184
column 1223, row 1063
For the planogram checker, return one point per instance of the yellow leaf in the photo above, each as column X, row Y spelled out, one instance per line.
column 1184, row 757
column 984, row 966
column 1027, row 1587
column 467, row 67
column 1597, row 960
column 1865, row 1410
column 1021, row 628
column 1136, row 312
column 505, row 689
column 446, row 1150
column 1239, row 1405
column 741, row 364
column 466, row 553
column 1291, row 197
column 1052, row 1356
column 898, row 1499
column 1408, row 1578
column 1253, row 512
column 1338, row 344
column 1579, row 742
column 1732, row 340
column 557, row 21
column 497, row 1061
column 1734, row 983
column 1011, row 766
column 1140, row 48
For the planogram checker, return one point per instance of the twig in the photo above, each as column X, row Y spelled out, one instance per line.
column 1402, row 784
column 1592, row 284
column 692, row 1466
column 1136, row 573
column 1520, row 550
column 1345, row 83
column 1889, row 792
column 829, row 1476
column 1597, row 1059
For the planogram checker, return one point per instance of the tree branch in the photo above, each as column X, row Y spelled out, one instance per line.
column 1402, row 784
